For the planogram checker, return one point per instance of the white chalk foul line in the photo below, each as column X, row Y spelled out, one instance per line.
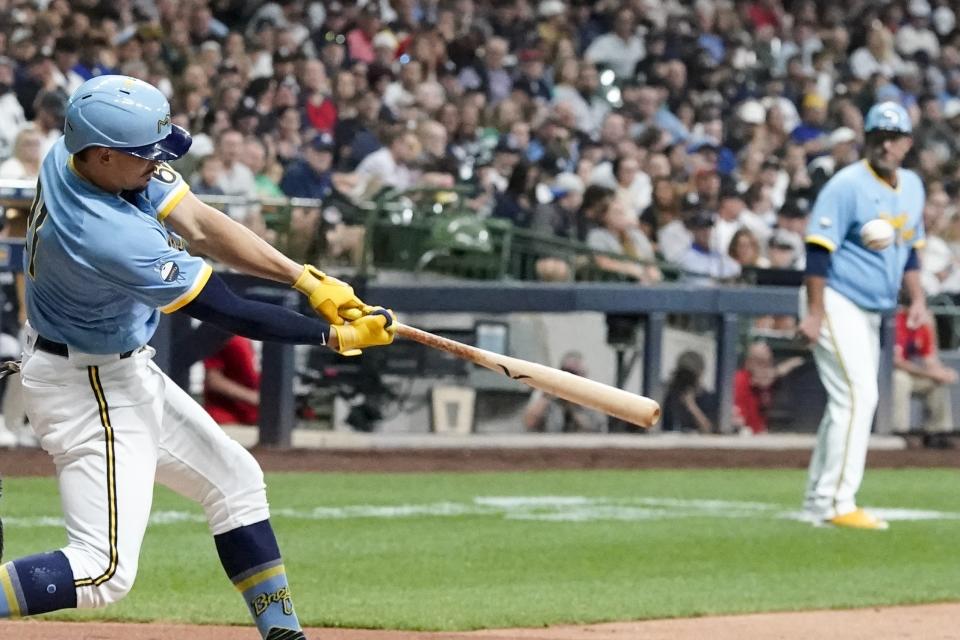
column 542, row 508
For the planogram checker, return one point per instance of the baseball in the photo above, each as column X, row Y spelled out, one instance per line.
column 877, row 234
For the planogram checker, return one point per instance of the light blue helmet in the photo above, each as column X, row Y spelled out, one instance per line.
column 126, row 114
column 888, row 116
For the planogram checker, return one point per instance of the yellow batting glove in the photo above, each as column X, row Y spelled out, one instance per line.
column 373, row 330
column 331, row 298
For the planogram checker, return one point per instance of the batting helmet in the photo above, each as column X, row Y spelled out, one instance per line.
column 126, row 114
column 888, row 116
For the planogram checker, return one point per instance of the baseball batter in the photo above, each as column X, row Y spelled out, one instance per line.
column 847, row 288
column 100, row 266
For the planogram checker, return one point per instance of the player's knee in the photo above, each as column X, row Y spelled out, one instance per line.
column 113, row 590
column 100, row 579
column 244, row 501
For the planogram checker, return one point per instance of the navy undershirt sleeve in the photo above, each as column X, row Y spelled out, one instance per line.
column 913, row 261
column 818, row 260
column 218, row 304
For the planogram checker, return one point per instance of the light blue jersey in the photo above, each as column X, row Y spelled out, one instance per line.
column 854, row 196
column 99, row 269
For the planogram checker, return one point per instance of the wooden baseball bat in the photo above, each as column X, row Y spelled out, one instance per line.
column 618, row 403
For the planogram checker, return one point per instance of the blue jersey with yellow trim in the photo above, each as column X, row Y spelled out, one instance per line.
column 852, row 197
column 99, row 266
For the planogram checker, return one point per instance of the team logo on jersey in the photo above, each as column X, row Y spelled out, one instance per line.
column 164, row 173
column 169, row 271
column 899, row 224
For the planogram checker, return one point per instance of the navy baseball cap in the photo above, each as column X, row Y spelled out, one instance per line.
column 699, row 220
column 888, row 116
column 323, row 142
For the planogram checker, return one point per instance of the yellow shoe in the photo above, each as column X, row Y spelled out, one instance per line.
column 859, row 519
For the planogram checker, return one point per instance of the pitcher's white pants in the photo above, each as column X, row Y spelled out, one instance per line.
column 113, row 426
column 848, row 359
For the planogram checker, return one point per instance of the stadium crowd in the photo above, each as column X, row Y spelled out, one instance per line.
column 695, row 132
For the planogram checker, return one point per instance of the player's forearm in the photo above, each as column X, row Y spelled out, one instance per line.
column 815, row 286
column 233, row 244
column 218, row 305
column 914, row 287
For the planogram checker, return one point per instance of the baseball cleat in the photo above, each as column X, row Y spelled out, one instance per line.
column 859, row 519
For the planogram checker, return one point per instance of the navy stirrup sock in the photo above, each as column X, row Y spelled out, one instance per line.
column 251, row 558
column 36, row 584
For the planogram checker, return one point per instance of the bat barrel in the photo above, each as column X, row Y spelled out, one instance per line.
column 630, row 407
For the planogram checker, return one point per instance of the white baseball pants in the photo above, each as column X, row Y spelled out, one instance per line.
column 113, row 426
column 848, row 360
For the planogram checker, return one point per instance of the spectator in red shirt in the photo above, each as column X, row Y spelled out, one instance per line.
column 918, row 371
column 231, row 386
column 360, row 39
column 754, row 384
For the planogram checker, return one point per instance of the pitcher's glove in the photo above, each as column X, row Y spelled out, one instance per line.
column 331, row 298
column 376, row 329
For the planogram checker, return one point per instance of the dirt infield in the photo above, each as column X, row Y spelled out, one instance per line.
column 32, row 462
column 926, row 622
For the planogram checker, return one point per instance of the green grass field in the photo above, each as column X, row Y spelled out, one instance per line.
column 450, row 552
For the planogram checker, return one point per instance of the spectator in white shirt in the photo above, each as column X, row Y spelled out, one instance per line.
column 576, row 86
column 402, row 93
column 917, row 35
column 621, row 49
column 701, row 264
column 24, row 164
column 673, row 240
column 66, row 55
column 390, row 166
column 490, row 76
column 236, row 178
column 878, row 56
column 12, row 117
column 785, row 249
column 939, row 267
column 733, row 215
column 49, row 111
column 618, row 234
column 634, row 188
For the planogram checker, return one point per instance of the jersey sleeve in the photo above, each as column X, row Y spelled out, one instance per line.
column 831, row 216
column 146, row 267
column 166, row 189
